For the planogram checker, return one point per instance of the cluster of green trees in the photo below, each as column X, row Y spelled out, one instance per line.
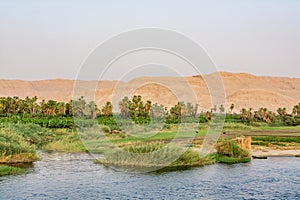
column 137, row 110
column 55, row 114
column 30, row 106
column 267, row 116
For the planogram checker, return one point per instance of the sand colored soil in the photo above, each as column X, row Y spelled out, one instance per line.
column 275, row 153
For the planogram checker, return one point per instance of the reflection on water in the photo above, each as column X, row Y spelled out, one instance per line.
column 74, row 176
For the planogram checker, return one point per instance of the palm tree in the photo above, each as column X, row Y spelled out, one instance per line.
column 60, row 108
column 189, row 109
column 222, row 109
column 231, row 108
column 176, row 110
column 296, row 110
column 5, row 105
column 92, row 109
column 282, row 112
column 9, row 105
column 124, row 106
column 147, row 108
column 32, row 104
column 196, row 110
column 244, row 114
column 51, row 107
column 69, row 108
column 158, row 111
column 43, row 107
column 79, row 107
column 107, row 109
column 215, row 108
column 15, row 105
column 208, row 116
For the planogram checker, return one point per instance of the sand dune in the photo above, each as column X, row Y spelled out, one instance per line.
column 244, row 90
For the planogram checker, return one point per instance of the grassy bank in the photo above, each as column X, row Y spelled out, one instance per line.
column 163, row 158
column 8, row 170
column 65, row 140
column 172, row 157
column 15, row 147
column 19, row 142
column 229, row 152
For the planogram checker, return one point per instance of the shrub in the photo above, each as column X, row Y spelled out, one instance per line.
column 231, row 149
column 12, row 143
column 156, row 155
column 33, row 133
column 105, row 129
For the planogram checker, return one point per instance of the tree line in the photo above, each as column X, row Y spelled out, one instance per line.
column 138, row 110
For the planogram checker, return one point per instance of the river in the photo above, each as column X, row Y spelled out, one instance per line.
column 74, row 176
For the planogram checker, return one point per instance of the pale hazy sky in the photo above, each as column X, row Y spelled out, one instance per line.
column 44, row 39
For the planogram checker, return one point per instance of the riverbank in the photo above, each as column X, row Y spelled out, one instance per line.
column 275, row 153
column 9, row 170
column 25, row 139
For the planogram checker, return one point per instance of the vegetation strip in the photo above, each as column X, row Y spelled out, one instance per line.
column 173, row 157
column 8, row 170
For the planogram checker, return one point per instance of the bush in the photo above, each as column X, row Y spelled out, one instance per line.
column 43, row 121
column 171, row 157
column 33, row 133
column 230, row 148
column 105, row 129
column 12, row 143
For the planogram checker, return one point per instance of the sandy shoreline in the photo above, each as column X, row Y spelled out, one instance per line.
column 275, row 153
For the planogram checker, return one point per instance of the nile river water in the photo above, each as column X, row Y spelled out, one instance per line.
column 74, row 176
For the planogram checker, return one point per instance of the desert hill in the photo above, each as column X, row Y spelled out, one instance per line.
column 243, row 90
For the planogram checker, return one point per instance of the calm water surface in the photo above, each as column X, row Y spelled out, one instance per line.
column 74, row 176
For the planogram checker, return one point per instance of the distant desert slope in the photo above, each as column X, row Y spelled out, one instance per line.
column 243, row 90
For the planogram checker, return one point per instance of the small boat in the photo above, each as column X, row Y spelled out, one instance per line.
column 260, row 157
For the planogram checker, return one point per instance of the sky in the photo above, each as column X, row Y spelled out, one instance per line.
column 53, row 38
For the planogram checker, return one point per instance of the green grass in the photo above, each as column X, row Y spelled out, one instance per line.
column 170, row 134
column 8, row 170
column 13, row 143
column 14, row 147
column 229, row 152
column 263, row 143
column 162, row 135
column 230, row 160
column 169, row 157
column 155, row 155
column 18, row 158
column 277, row 139
column 298, row 156
column 256, row 126
column 66, row 141
column 275, row 128
column 34, row 134
column 235, row 126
